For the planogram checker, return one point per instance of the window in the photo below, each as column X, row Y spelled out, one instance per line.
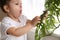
column 32, row 8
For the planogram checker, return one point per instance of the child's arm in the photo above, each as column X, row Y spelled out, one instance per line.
column 22, row 30
column 30, row 23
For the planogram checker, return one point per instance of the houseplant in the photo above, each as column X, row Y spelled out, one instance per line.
column 52, row 22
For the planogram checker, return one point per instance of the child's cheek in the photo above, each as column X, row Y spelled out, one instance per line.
column 16, row 10
column 17, row 13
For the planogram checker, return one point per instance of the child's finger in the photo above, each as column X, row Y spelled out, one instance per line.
column 45, row 17
column 38, row 21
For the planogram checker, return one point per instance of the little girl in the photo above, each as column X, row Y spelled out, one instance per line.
column 15, row 25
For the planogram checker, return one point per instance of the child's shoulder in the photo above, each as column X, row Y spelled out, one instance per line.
column 5, row 19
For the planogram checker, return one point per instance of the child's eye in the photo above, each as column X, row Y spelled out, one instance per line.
column 16, row 3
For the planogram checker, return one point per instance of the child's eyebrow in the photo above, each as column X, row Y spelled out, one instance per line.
column 17, row 1
column 14, row 1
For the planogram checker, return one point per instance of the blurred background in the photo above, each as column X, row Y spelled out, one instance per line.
column 32, row 8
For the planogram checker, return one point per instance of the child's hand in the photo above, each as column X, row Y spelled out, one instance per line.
column 35, row 20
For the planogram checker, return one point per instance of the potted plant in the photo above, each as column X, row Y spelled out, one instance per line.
column 52, row 22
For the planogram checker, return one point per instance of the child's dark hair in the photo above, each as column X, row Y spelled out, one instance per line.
column 2, row 3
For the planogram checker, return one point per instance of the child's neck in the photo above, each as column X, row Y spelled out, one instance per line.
column 14, row 18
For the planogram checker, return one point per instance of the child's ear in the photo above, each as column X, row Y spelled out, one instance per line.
column 6, row 8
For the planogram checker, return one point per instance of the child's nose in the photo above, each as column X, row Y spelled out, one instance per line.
column 20, row 5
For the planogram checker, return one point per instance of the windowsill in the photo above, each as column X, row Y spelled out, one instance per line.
column 56, row 33
column 54, row 36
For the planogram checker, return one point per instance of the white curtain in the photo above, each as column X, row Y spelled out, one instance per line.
column 32, row 8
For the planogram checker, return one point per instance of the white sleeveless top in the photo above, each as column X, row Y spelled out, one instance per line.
column 7, row 22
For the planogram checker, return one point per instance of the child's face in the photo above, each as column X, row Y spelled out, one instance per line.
column 15, row 8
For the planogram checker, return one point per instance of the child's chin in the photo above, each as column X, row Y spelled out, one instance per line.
column 19, row 15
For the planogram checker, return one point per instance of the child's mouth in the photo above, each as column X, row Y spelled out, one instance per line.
column 20, row 11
